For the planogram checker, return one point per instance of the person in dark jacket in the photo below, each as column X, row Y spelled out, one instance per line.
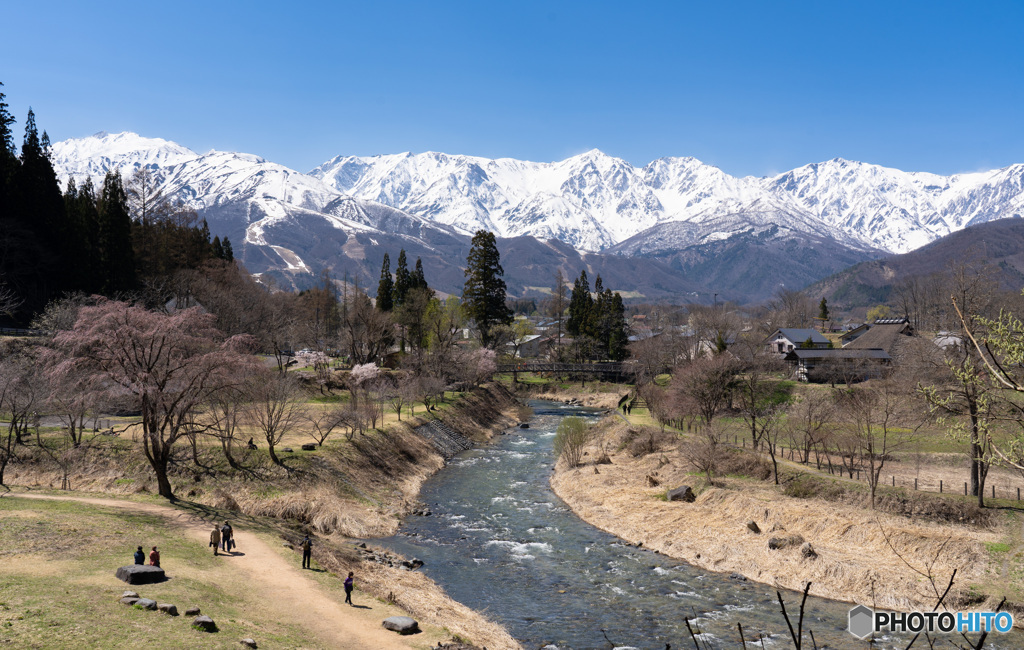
column 226, row 537
column 307, row 552
column 348, row 588
column 140, row 556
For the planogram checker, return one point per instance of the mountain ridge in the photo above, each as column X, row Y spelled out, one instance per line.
column 804, row 224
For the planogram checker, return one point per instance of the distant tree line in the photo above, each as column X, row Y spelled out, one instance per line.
column 107, row 240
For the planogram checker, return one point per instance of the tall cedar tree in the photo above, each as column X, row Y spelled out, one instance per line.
column 83, row 221
column 580, row 305
column 419, row 281
column 229, row 253
column 403, row 280
column 117, row 259
column 385, row 300
column 37, row 225
column 484, row 292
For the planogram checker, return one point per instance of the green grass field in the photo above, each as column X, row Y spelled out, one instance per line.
column 57, row 563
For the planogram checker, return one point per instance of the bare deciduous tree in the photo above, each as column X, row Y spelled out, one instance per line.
column 274, row 408
column 170, row 364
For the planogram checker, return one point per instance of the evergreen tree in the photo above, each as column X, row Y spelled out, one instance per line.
column 229, row 253
column 8, row 157
column 385, row 287
column 580, row 305
column 419, row 281
column 117, row 260
column 484, row 292
column 403, row 280
column 83, row 224
column 218, row 248
column 39, row 222
column 823, row 311
column 618, row 340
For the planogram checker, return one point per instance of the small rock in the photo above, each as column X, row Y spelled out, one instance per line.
column 524, row 425
column 193, row 611
column 777, row 543
column 753, row 527
column 287, row 450
column 362, row 545
column 167, row 608
column 309, row 446
column 414, row 563
column 651, row 481
column 146, row 603
column 249, row 642
column 808, row 551
column 401, row 624
column 129, row 594
column 738, row 576
column 204, row 623
column 682, row 493
column 129, row 600
column 288, row 545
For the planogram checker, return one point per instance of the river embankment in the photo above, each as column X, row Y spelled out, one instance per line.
column 859, row 555
column 357, row 486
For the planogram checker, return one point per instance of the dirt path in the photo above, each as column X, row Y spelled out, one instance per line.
column 284, row 586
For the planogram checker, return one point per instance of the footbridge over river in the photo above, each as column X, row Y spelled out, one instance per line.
column 610, row 371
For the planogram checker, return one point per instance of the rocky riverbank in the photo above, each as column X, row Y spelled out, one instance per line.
column 854, row 550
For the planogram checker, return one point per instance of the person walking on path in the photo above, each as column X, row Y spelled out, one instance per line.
column 215, row 539
column 226, row 537
column 307, row 552
column 348, row 588
column 154, row 557
column 140, row 556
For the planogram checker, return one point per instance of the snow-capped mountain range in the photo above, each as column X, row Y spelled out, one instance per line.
column 594, row 201
column 289, row 223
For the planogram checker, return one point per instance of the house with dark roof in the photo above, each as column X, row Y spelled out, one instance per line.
column 787, row 339
column 884, row 334
column 839, row 364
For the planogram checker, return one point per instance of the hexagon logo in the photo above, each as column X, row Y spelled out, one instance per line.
column 861, row 621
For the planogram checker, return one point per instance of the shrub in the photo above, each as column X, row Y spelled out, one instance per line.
column 570, row 438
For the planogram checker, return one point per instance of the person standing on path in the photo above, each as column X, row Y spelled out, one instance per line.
column 226, row 539
column 307, row 552
column 215, row 539
column 154, row 557
column 140, row 556
column 348, row 588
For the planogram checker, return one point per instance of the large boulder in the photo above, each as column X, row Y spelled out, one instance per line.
column 140, row 574
column 682, row 493
column 401, row 624
column 205, row 624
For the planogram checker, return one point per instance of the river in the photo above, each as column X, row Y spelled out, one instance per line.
column 500, row 541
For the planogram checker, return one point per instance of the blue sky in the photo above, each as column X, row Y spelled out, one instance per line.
column 753, row 87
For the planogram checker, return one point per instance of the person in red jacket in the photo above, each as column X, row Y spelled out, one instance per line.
column 154, row 557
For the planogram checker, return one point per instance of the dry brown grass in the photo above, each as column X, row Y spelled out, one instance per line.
column 854, row 563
